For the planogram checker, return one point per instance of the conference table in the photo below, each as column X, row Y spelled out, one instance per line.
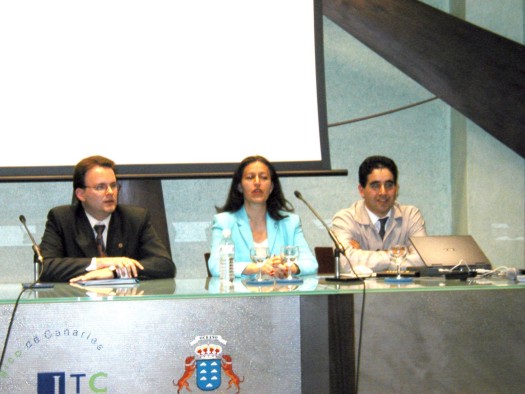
column 193, row 335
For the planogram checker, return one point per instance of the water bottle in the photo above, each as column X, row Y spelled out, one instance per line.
column 226, row 255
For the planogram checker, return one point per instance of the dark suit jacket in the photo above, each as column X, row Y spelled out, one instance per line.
column 68, row 244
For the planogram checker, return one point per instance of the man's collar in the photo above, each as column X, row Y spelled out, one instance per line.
column 373, row 217
column 93, row 221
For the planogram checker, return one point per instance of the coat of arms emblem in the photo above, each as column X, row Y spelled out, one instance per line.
column 208, row 361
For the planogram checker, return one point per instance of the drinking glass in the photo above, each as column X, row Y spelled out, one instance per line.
column 289, row 255
column 259, row 254
column 397, row 255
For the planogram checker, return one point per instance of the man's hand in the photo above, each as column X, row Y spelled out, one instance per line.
column 128, row 268
column 103, row 273
column 122, row 264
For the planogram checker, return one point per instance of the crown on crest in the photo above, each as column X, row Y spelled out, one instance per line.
column 209, row 350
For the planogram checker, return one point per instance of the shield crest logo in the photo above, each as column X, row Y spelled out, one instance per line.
column 208, row 374
column 207, row 364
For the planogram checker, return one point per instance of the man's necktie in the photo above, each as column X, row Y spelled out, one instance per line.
column 99, row 228
column 382, row 229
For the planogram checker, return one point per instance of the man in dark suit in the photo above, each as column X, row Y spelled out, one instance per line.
column 95, row 238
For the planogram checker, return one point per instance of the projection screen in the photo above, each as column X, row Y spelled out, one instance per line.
column 161, row 87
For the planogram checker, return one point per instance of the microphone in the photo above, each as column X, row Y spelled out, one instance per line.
column 339, row 248
column 39, row 261
column 36, row 248
column 335, row 240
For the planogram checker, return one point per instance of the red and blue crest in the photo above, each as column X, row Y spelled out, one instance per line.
column 208, row 362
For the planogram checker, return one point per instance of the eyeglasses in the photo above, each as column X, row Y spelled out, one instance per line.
column 376, row 186
column 103, row 187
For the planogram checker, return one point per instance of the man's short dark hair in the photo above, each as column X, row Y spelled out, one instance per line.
column 84, row 165
column 372, row 163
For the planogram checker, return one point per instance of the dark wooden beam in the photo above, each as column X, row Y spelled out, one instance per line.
column 479, row 73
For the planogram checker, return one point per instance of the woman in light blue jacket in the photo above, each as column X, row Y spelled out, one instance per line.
column 257, row 214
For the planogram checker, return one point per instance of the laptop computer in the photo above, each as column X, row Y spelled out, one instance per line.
column 441, row 252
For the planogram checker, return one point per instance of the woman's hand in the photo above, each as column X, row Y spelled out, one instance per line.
column 281, row 269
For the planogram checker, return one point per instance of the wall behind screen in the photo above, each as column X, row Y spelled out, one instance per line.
column 159, row 82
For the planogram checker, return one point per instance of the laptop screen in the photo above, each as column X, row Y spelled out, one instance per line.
column 449, row 250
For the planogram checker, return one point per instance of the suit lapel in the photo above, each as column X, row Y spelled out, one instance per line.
column 85, row 237
column 115, row 245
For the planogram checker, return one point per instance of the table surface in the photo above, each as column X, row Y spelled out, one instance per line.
column 211, row 288
column 482, row 333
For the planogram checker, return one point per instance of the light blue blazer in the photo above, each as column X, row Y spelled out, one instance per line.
column 287, row 231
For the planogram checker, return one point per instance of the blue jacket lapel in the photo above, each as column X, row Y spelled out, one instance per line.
column 243, row 223
column 272, row 229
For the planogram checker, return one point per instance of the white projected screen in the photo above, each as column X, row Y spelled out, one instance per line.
column 158, row 82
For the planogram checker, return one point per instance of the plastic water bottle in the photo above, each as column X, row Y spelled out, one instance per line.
column 226, row 255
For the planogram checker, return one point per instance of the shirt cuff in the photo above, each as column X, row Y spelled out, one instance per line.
column 93, row 265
